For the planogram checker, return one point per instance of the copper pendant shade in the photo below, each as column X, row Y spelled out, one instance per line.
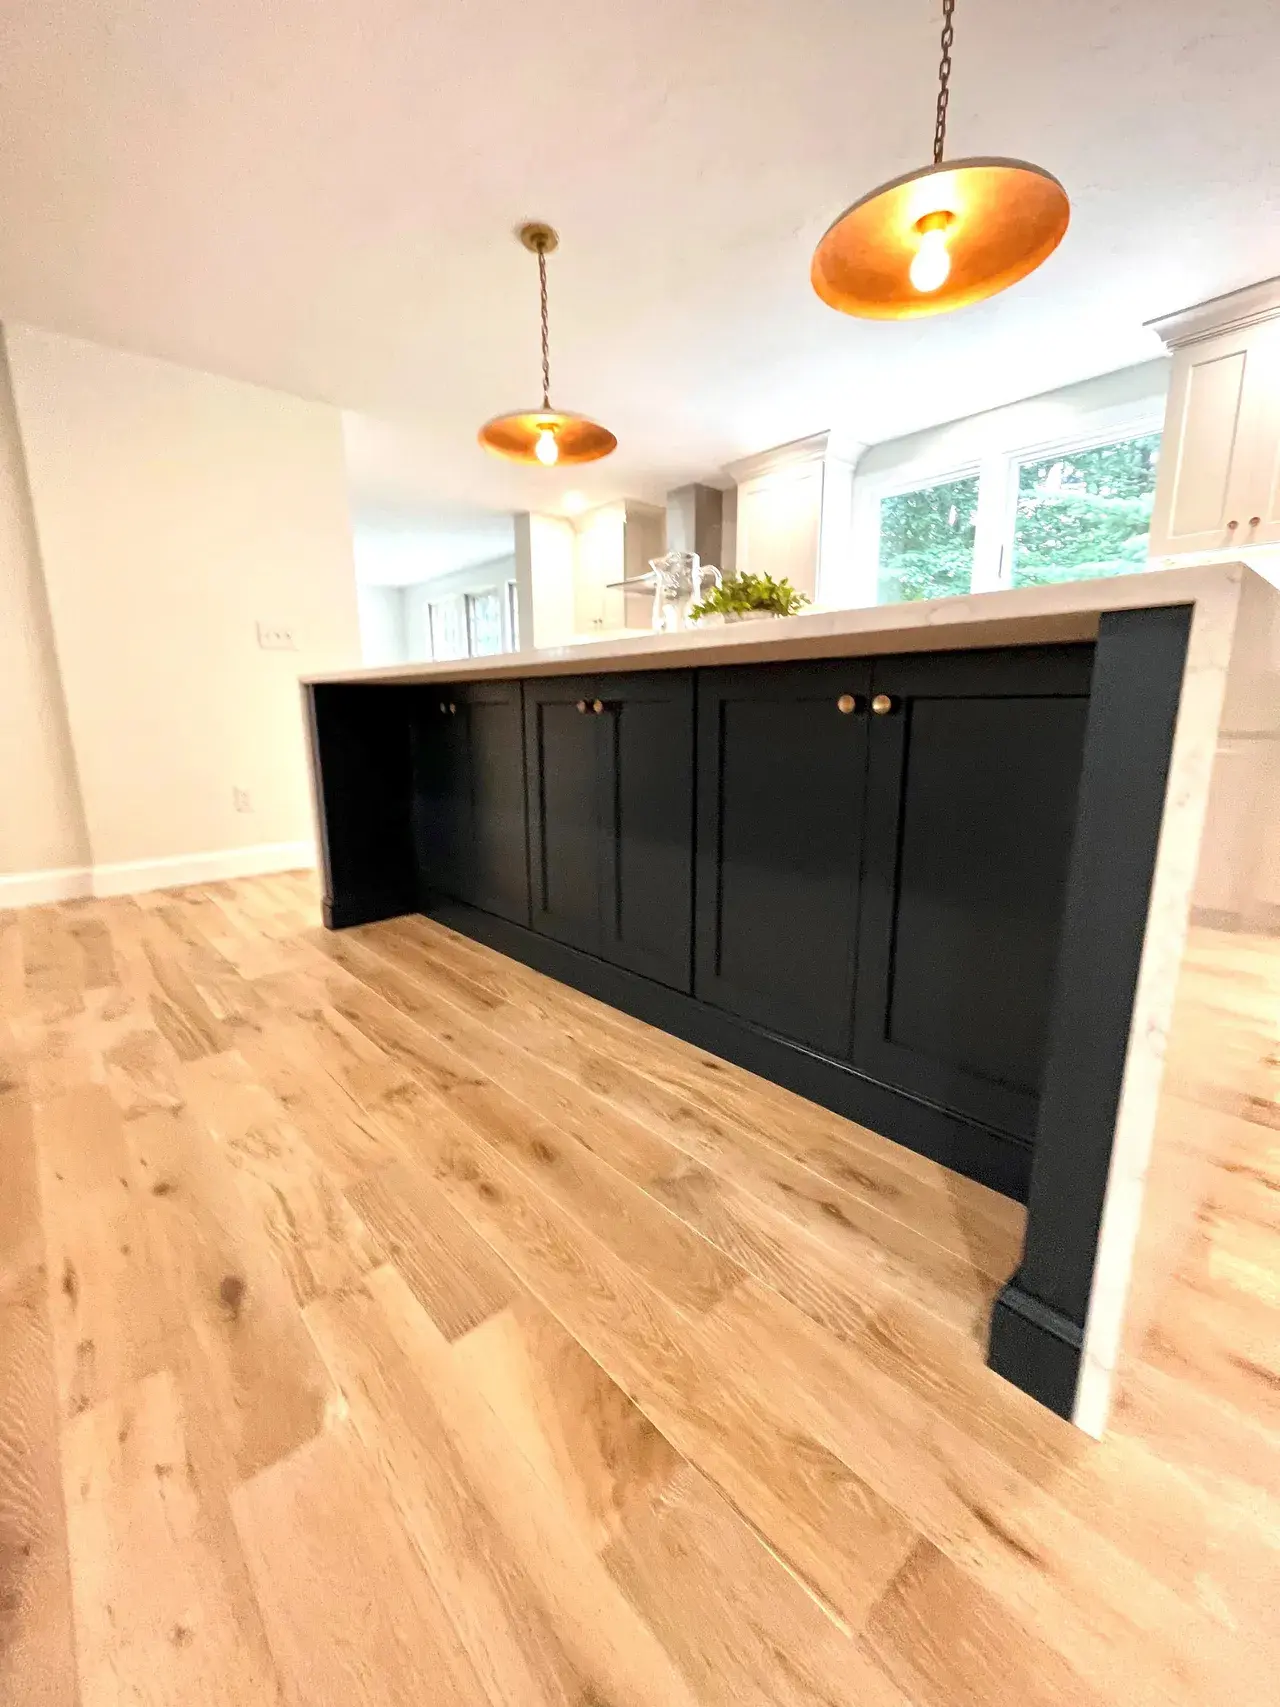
column 550, row 437
column 944, row 236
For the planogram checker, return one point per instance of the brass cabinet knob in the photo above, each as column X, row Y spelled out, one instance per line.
column 882, row 705
column 1254, row 520
column 453, row 710
column 597, row 705
column 1231, row 525
column 582, row 705
column 443, row 707
column 847, row 703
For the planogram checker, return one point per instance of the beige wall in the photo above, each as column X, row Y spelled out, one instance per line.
column 174, row 511
column 41, row 823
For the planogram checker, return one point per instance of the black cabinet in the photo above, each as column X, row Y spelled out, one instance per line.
column 972, row 777
column 781, row 770
column 469, row 796
column 610, row 769
column 881, row 852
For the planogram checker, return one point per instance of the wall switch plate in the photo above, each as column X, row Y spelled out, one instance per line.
column 273, row 638
column 240, row 800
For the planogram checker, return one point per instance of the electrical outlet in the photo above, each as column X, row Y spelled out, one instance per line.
column 273, row 638
column 240, row 800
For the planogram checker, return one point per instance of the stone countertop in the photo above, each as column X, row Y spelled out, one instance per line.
column 1026, row 616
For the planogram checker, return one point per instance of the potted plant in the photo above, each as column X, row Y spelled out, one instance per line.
column 739, row 597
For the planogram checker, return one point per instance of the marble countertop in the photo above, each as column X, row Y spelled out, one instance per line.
column 1026, row 616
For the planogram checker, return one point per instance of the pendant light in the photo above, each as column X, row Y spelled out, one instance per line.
column 547, row 436
column 943, row 236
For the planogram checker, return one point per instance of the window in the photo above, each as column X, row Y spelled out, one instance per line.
column 926, row 541
column 1085, row 513
column 513, row 616
column 448, row 633
column 484, row 623
column 1065, row 512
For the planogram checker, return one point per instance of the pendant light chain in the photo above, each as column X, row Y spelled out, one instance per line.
column 545, row 437
column 546, row 342
column 944, row 80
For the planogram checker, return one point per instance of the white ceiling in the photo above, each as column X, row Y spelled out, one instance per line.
column 321, row 198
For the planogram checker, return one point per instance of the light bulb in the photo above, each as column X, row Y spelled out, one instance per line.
column 931, row 263
column 547, row 450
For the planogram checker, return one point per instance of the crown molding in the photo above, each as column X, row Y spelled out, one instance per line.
column 831, row 446
column 1233, row 312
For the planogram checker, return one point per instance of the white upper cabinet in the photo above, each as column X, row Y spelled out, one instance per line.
column 1264, row 481
column 795, row 513
column 613, row 543
column 779, row 525
column 1219, row 484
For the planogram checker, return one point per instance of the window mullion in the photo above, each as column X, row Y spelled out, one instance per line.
column 993, row 525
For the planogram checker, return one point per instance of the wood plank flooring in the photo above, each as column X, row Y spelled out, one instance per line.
column 383, row 1323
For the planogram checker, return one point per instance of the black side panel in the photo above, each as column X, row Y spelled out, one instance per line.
column 781, row 775
column 361, row 742
column 971, row 806
column 647, row 851
column 564, row 746
column 1039, row 1322
column 497, row 875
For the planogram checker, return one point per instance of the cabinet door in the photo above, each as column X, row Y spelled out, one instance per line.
column 1259, row 516
column 564, row 742
column 971, row 790
column 779, row 525
column 780, row 799
column 441, row 793
column 647, row 827
column 495, row 872
column 1206, row 456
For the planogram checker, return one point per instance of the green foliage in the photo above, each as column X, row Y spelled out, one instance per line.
column 926, row 541
column 1079, row 515
column 1085, row 515
column 739, row 593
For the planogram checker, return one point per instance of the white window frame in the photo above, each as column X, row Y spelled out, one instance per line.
column 1044, row 452
column 460, row 619
column 892, row 487
column 996, row 518
column 469, row 610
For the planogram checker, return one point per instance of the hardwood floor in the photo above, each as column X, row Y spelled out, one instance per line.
column 382, row 1323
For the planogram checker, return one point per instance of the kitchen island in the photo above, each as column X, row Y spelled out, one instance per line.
column 930, row 865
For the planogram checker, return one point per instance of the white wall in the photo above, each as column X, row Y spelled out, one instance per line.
column 174, row 511
column 551, row 542
column 42, row 824
column 382, row 625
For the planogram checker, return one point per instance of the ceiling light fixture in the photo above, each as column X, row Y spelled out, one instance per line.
column 943, row 236
column 547, row 436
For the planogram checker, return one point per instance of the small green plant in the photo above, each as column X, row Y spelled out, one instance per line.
column 739, row 593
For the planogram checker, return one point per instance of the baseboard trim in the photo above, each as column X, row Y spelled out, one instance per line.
column 35, row 888
column 1035, row 1347
column 136, row 877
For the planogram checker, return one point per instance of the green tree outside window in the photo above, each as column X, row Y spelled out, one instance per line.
column 1085, row 513
column 1080, row 514
column 926, row 542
